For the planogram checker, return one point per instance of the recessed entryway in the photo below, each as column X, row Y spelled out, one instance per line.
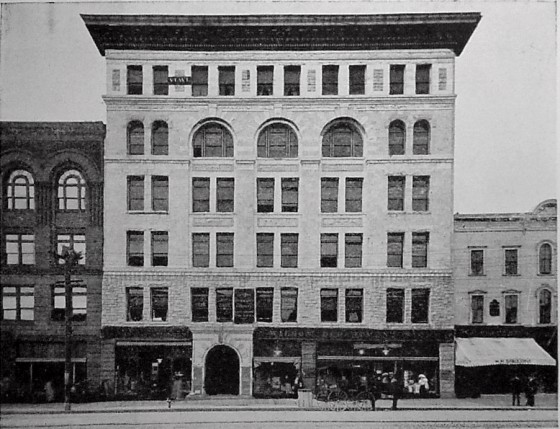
column 221, row 371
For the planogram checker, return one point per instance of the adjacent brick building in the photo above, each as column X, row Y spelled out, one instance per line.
column 52, row 196
column 278, row 200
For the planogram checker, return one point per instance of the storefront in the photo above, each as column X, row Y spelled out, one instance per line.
column 276, row 368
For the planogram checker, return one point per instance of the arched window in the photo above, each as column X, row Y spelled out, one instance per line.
column 20, row 191
column 212, row 140
column 421, row 138
column 545, row 306
column 135, row 138
column 545, row 259
column 342, row 139
column 160, row 138
column 397, row 133
column 277, row 141
column 71, row 191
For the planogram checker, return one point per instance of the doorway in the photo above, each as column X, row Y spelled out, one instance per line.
column 222, row 371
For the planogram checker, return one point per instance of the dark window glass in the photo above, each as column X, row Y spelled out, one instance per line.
column 353, row 251
column 511, row 308
column 395, row 193
column 395, row 305
column 494, row 308
column 201, row 194
column 160, row 193
column 160, row 138
column 212, row 140
column 354, row 194
column 159, row 304
column 396, row 79
column 330, row 80
column 224, row 249
column 135, row 138
column 545, row 259
column 342, row 140
column 477, row 309
column 357, row 76
column 420, row 306
column 395, row 241
column 421, row 138
column 161, row 86
column 396, row 138
column 159, row 248
column 79, row 303
column 265, row 299
column 244, row 306
column 265, row 195
column 134, row 80
column 201, row 250
column 265, row 78
column 135, row 248
column 289, row 250
column 329, row 250
column 477, row 262
column 545, row 306
column 199, row 81
column 511, row 262
column 420, row 193
column 288, row 304
column 354, row 305
column 291, row 80
column 420, row 249
column 226, row 78
column 277, row 141
column 290, row 195
column 18, row 302
column 423, row 78
column 265, row 250
column 135, row 304
column 225, row 191
column 224, row 304
column 329, row 195
column 329, row 305
column 199, row 302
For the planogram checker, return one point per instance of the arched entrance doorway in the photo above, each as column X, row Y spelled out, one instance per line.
column 222, row 371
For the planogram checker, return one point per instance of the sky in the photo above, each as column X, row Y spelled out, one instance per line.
column 505, row 119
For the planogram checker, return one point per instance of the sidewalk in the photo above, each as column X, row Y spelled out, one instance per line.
column 486, row 402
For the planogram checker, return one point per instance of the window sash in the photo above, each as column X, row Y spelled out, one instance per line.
column 420, row 249
column 289, row 250
column 477, row 262
column 135, row 248
column 511, row 262
column 212, row 140
column 545, row 259
column 288, row 304
column 225, row 191
column 135, row 193
column 265, row 301
column 396, row 79
column 395, row 244
column 265, row 195
column 477, row 309
column 395, row 305
column 290, row 188
column 353, row 194
column 18, row 302
column 420, row 307
column 199, row 81
column 329, row 250
column 354, row 305
column 135, row 304
column 420, row 193
column 329, row 305
column 421, row 138
column 224, row 304
column 226, row 80
column 330, row 80
column 292, row 76
column 329, row 195
column 265, row 250
column 265, row 79
column 353, row 251
column 277, row 141
column 511, row 305
column 160, row 138
column 423, row 78
column 160, row 193
column 161, row 74
column 201, row 194
column 395, row 193
column 224, row 249
column 342, row 140
column 79, row 303
column 160, row 248
column 397, row 138
column 20, row 191
column 160, row 306
column 199, row 304
column 135, row 138
column 20, row 249
column 201, row 250
column 77, row 242
column 357, row 79
column 134, row 80
column 545, row 306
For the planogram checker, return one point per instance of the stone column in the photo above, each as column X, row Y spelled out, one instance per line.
column 308, row 363
column 447, row 369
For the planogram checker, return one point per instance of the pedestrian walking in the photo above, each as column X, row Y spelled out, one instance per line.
column 531, row 391
column 395, row 387
column 516, row 388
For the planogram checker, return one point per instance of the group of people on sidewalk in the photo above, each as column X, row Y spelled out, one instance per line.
column 528, row 386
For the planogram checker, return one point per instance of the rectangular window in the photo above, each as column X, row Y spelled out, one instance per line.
column 199, row 304
column 357, row 80
column 160, row 193
column 511, row 303
column 199, row 81
column 477, row 309
column 134, row 304
column 135, row 248
column 201, row 194
column 395, row 242
column 423, row 78
column 292, row 75
column 18, row 303
column 265, row 299
column 329, row 305
column 289, row 250
column 224, row 304
column 396, row 79
column 265, row 78
column 329, row 195
column 226, row 79
column 224, row 249
column 290, row 188
column 420, row 306
column 420, row 193
column 477, row 262
column 160, row 248
column 134, row 80
column 354, row 305
column 395, row 305
column 265, row 195
column 288, row 304
column 395, row 193
column 511, row 262
column 71, row 241
column 354, row 194
column 201, row 250
column 265, row 250
column 79, row 303
column 20, row 249
column 244, row 301
column 225, row 191
column 135, row 187
column 420, row 249
column 353, row 251
column 160, row 303
column 329, row 250
column 161, row 86
column 330, row 80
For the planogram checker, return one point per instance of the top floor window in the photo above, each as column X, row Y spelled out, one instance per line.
column 396, row 138
column 357, row 77
column 71, row 191
column 161, row 86
column 330, row 80
column 342, row 140
column 20, row 191
column 421, row 138
column 226, row 80
column 135, row 138
column 292, row 75
column 477, row 262
column 199, row 81
column 423, row 78
column 134, row 80
column 545, row 259
column 511, row 257
column 277, row 141
column 265, row 78
column 212, row 140
column 396, row 79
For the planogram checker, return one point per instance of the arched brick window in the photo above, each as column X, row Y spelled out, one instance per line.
column 421, row 138
column 342, row 139
column 20, row 191
column 212, row 140
column 135, row 138
column 397, row 137
column 71, row 191
column 545, row 259
column 160, row 138
column 277, row 141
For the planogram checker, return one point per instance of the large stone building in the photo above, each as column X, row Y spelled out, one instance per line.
column 52, row 196
column 278, row 199
column 505, row 273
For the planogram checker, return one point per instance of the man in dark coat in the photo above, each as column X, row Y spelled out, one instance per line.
column 516, row 388
column 530, row 391
column 395, row 390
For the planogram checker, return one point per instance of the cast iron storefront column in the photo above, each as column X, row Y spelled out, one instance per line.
column 309, row 363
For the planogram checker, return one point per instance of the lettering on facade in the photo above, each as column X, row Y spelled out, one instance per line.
column 179, row 80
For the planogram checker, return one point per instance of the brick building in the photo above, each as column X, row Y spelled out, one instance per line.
column 52, row 196
column 505, row 275
column 278, row 200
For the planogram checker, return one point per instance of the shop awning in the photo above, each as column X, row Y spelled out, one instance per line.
column 472, row 352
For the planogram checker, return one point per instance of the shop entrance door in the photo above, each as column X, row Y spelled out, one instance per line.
column 222, row 371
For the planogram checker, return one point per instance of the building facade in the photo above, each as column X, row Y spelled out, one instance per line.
column 52, row 196
column 505, row 272
column 278, row 200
